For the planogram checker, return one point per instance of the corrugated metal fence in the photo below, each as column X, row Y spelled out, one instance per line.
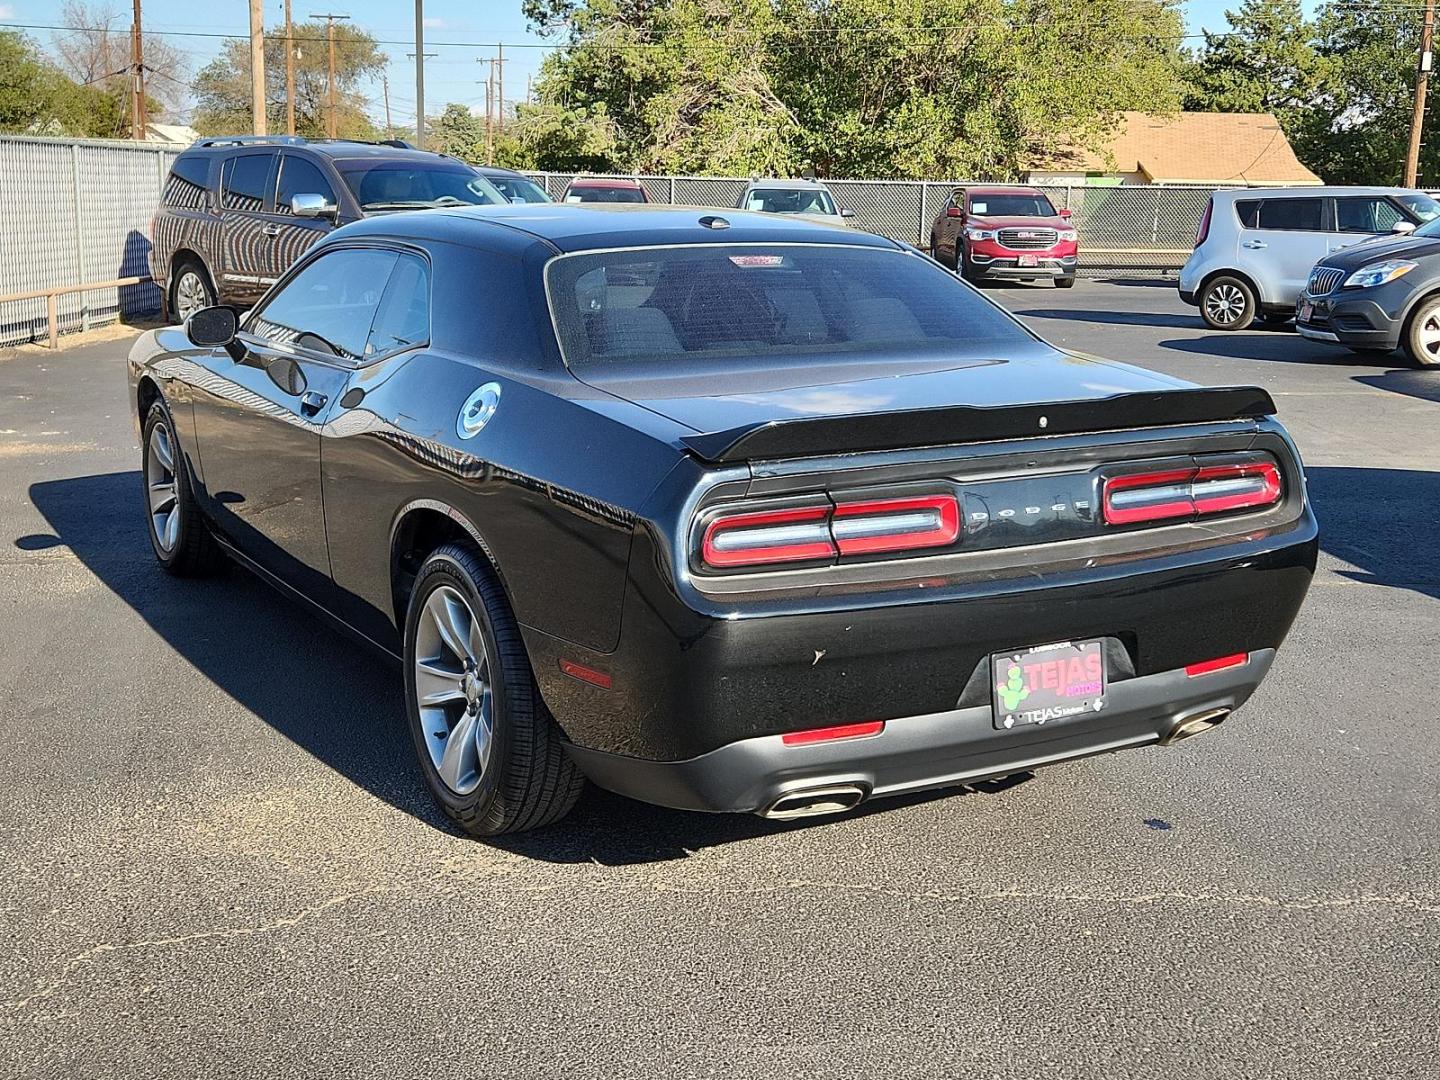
column 1143, row 228
column 76, row 211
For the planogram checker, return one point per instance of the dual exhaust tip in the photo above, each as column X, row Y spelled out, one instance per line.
column 837, row 798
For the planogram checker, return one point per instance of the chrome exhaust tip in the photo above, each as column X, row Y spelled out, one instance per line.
column 1194, row 724
column 811, row 802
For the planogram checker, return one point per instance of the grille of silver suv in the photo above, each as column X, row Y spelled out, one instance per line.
column 1323, row 279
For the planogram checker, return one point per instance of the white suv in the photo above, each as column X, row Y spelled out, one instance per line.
column 1256, row 246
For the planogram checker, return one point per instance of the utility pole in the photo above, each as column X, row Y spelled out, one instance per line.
column 490, row 113
column 257, row 67
column 289, row 72
column 389, row 129
column 1422, row 80
column 499, row 86
column 137, row 82
column 332, row 122
column 420, row 73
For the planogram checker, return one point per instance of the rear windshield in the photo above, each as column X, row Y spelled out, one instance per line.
column 405, row 185
column 790, row 201
column 715, row 306
column 604, row 194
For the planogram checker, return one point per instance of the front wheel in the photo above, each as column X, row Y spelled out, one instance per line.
column 1227, row 303
column 178, row 532
column 1422, row 336
column 490, row 752
column 1064, row 283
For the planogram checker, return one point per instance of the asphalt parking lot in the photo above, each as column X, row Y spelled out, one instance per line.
column 219, row 858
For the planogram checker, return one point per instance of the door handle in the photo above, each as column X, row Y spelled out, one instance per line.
column 271, row 230
column 1254, row 244
column 311, row 403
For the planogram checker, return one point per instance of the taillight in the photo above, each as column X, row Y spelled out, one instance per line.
column 830, row 530
column 895, row 524
column 769, row 536
column 1172, row 494
column 1220, row 663
column 833, row 734
column 1204, row 230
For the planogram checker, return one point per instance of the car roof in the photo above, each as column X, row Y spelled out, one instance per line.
column 799, row 185
column 570, row 227
column 336, row 149
column 496, row 170
column 1290, row 192
column 605, row 182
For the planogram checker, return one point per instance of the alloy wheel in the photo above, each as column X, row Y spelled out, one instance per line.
column 161, row 488
column 1225, row 304
column 190, row 294
column 1427, row 337
column 453, row 689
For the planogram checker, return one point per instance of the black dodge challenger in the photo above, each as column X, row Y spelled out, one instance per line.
column 736, row 513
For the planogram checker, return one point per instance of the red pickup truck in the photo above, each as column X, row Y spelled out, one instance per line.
column 1005, row 232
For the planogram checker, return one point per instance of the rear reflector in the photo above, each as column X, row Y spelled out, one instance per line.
column 833, row 734
column 585, row 674
column 1183, row 493
column 896, row 524
column 1220, row 663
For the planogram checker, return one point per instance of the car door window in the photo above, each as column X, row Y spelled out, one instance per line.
column 403, row 318
column 1366, row 214
column 1292, row 215
column 245, row 182
column 330, row 305
column 301, row 177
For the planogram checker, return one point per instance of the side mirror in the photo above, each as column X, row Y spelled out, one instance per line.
column 1067, row 213
column 845, row 211
column 212, row 327
column 1401, row 227
column 954, row 211
column 310, row 205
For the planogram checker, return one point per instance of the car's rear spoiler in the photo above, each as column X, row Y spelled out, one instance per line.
column 968, row 423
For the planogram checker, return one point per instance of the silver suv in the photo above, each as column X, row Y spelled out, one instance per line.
column 808, row 199
column 1255, row 246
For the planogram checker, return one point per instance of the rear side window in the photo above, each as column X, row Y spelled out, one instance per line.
column 1302, row 215
column 711, row 307
column 243, row 180
column 189, row 177
column 301, row 177
column 403, row 318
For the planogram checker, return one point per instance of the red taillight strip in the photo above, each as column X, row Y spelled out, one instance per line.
column 1183, row 493
column 769, row 536
column 896, row 524
column 833, row 734
column 1220, row 663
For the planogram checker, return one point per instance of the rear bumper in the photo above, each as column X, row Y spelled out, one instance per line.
column 918, row 752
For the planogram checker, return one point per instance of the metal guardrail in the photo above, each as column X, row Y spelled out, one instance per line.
column 52, row 297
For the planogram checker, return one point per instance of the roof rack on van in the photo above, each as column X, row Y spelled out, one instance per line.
column 250, row 140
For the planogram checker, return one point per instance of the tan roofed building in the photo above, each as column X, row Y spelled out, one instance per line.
column 1187, row 148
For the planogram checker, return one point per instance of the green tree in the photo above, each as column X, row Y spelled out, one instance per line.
column 1267, row 62
column 222, row 88
column 36, row 98
column 458, row 131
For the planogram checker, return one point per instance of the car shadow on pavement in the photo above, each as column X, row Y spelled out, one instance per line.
column 327, row 695
column 1117, row 318
column 1278, row 347
column 1412, row 382
column 1376, row 520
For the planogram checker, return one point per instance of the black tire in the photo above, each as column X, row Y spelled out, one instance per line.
column 179, row 296
column 1064, row 283
column 1422, row 334
column 1227, row 303
column 180, row 538
column 529, row 780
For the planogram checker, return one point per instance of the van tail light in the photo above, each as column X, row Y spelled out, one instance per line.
column 1173, row 494
column 895, row 524
column 769, row 536
column 829, row 531
column 1204, row 230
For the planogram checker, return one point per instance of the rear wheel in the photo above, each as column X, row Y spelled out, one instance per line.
column 1064, row 283
column 1227, row 303
column 488, row 748
column 190, row 290
column 1422, row 336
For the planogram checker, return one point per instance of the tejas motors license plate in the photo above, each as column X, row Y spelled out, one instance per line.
column 1048, row 682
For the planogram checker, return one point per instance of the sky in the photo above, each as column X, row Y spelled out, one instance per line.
column 461, row 33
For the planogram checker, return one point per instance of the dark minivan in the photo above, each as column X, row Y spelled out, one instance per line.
column 237, row 211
